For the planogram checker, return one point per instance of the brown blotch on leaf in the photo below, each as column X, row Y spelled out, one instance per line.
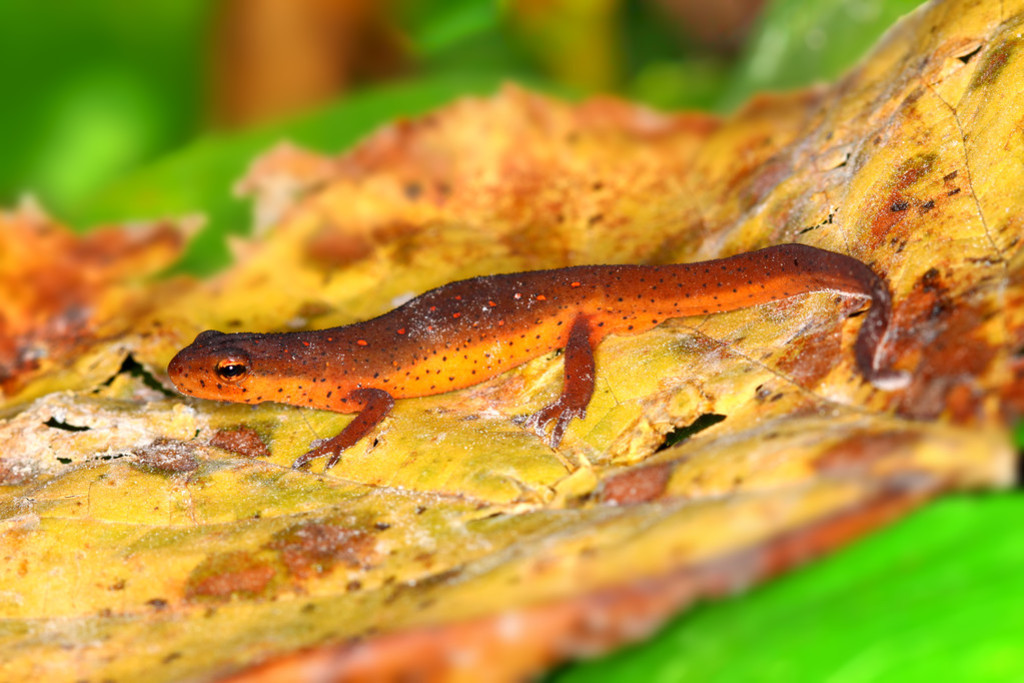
column 763, row 181
column 894, row 198
column 313, row 309
column 316, row 548
column 166, row 455
column 423, row 584
column 952, row 350
column 638, row 485
column 860, row 452
column 244, row 441
column 993, row 63
column 223, row 575
column 335, row 245
column 962, row 403
column 1012, row 394
column 58, row 286
column 812, row 357
column 12, row 474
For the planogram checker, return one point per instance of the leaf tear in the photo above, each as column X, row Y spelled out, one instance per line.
column 680, row 434
column 134, row 369
column 969, row 55
column 59, row 424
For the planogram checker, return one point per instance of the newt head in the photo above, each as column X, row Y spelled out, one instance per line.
column 213, row 366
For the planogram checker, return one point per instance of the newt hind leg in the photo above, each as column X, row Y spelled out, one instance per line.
column 577, row 387
column 376, row 404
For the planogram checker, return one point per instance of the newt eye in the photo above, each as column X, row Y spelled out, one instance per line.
column 232, row 369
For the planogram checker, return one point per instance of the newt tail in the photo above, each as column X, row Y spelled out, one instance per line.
column 466, row 332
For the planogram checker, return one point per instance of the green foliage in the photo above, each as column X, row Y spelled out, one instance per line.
column 798, row 43
column 93, row 90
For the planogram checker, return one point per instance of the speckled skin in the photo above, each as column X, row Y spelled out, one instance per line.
column 466, row 332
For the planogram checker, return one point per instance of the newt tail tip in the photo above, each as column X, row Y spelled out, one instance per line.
column 890, row 380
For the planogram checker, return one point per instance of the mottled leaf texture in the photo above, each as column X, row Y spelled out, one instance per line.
column 149, row 535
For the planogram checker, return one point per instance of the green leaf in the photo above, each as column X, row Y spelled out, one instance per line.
column 940, row 596
column 435, row 27
column 798, row 43
column 93, row 89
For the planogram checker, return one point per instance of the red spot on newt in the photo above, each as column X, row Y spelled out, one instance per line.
column 249, row 368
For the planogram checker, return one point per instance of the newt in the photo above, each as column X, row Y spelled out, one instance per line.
column 466, row 332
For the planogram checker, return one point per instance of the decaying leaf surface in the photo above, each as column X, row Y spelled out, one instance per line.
column 146, row 532
column 63, row 293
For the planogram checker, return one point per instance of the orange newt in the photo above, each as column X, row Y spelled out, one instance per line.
column 466, row 332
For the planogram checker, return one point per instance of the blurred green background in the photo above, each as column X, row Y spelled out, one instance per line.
column 119, row 111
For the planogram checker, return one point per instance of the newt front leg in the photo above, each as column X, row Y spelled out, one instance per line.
column 375, row 405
